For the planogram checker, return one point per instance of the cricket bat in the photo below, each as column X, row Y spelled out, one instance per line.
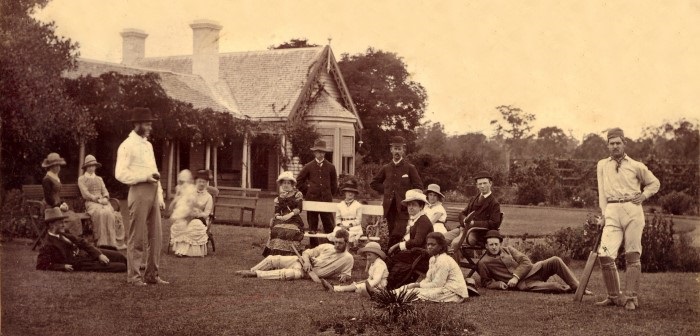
column 311, row 273
column 586, row 276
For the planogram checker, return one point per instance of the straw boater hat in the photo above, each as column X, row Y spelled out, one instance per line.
column 53, row 159
column 415, row 195
column 493, row 234
column 397, row 140
column 434, row 188
column 204, row 174
column 374, row 248
column 53, row 215
column 319, row 145
column 288, row 176
column 90, row 160
column 483, row 174
column 350, row 185
column 141, row 114
column 616, row 132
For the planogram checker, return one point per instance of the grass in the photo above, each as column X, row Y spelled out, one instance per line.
column 206, row 298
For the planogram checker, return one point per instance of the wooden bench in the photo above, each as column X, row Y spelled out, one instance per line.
column 245, row 199
column 371, row 231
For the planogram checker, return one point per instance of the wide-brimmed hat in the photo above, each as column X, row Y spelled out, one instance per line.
column 483, row 174
column 319, row 145
column 415, row 195
column 141, row 114
column 374, row 248
column 616, row 132
column 53, row 214
column 53, row 159
column 471, row 287
column 493, row 234
column 204, row 174
column 350, row 185
column 434, row 188
column 397, row 140
column 90, row 160
column 286, row 176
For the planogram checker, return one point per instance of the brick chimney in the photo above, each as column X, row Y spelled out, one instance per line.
column 205, row 49
column 133, row 45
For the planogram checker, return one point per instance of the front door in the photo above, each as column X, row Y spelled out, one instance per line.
column 260, row 164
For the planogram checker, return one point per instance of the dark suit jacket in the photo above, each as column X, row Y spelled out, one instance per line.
column 486, row 215
column 57, row 252
column 393, row 181
column 419, row 232
column 318, row 183
column 52, row 188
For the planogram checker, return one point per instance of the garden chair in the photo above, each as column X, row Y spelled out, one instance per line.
column 465, row 255
column 214, row 192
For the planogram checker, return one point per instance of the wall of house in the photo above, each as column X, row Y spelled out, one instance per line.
column 329, row 85
column 340, row 136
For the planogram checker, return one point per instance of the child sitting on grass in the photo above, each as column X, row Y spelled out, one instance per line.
column 377, row 273
column 349, row 212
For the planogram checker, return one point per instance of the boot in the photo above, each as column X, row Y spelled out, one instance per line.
column 346, row 288
column 632, row 275
column 612, row 282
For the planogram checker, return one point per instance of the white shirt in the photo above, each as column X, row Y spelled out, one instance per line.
column 136, row 162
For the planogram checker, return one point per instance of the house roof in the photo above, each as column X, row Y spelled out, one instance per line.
column 326, row 106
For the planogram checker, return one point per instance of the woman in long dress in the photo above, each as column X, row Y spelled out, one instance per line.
column 190, row 216
column 52, row 192
column 287, row 227
column 97, row 205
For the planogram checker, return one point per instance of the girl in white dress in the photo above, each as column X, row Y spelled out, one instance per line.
column 349, row 212
column 377, row 272
column 434, row 209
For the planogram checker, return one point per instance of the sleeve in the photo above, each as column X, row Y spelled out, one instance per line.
column 105, row 192
column 208, row 206
column 423, row 227
column 314, row 252
column 49, row 259
column 338, row 214
column 648, row 181
column 301, row 179
column 47, row 184
column 416, row 181
column 435, row 216
column 486, row 279
column 278, row 211
column 121, row 169
column 334, row 181
column 347, row 265
column 438, row 277
column 358, row 214
column 602, row 201
column 378, row 181
column 463, row 215
column 84, row 245
column 299, row 200
column 84, row 190
column 375, row 273
column 494, row 217
column 524, row 263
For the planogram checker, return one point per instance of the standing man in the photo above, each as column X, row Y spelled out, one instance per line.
column 136, row 167
column 318, row 181
column 620, row 199
column 393, row 180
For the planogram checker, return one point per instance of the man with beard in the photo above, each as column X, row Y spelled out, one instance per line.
column 393, row 180
column 620, row 199
column 136, row 167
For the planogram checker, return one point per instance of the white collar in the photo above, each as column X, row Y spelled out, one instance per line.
column 88, row 174
column 414, row 218
column 319, row 162
column 397, row 162
column 53, row 234
column 134, row 135
column 487, row 195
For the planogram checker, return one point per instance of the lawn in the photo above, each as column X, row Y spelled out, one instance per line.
column 206, row 298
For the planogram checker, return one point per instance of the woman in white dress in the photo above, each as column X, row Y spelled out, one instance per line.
column 190, row 216
column 96, row 196
column 434, row 209
column 349, row 213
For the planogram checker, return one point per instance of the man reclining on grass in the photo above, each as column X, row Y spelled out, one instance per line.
column 504, row 267
column 326, row 260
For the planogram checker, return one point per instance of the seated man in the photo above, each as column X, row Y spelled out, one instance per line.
column 326, row 260
column 61, row 251
column 483, row 211
column 504, row 267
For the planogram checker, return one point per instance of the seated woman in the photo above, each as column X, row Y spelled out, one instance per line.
column 96, row 196
column 190, row 215
column 52, row 192
column 434, row 209
column 286, row 227
column 349, row 213
column 408, row 256
column 444, row 281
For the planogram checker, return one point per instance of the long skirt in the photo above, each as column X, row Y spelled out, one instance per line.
column 103, row 222
column 189, row 238
column 284, row 237
column 404, row 267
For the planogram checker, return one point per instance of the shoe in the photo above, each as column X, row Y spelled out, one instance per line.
column 609, row 301
column 247, row 274
column 631, row 303
column 137, row 283
column 326, row 285
column 158, row 281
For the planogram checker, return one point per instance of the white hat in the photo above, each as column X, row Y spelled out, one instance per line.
column 415, row 195
column 287, row 175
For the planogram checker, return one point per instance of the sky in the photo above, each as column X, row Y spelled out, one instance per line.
column 583, row 66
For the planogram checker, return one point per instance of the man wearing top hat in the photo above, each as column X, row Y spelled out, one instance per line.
column 318, row 181
column 623, row 184
column 136, row 167
column 393, row 180
column 62, row 251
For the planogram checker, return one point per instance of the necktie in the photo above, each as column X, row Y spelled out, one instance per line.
column 619, row 163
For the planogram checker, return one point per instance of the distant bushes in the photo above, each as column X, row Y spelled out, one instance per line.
column 678, row 203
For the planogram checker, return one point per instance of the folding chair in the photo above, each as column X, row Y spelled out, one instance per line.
column 465, row 254
column 214, row 194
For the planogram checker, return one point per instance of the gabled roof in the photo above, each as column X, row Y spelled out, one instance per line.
column 326, row 106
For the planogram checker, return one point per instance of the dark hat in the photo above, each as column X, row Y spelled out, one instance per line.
column 204, row 174
column 483, row 174
column 471, row 287
column 141, row 114
column 397, row 140
column 350, row 185
column 53, row 214
column 53, row 159
column 90, row 160
column 319, row 145
column 493, row 234
column 616, row 132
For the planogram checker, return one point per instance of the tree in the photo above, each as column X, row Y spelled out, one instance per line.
column 294, row 43
column 516, row 131
column 593, row 147
column 552, row 141
column 388, row 101
column 431, row 138
column 37, row 116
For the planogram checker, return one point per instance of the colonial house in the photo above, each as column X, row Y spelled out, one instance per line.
column 271, row 85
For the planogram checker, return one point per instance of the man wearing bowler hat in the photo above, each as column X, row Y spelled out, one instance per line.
column 136, row 167
column 393, row 180
column 318, row 181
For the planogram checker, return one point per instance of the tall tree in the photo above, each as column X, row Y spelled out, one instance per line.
column 593, row 147
column 432, row 138
column 516, row 129
column 388, row 100
column 34, row 107
column 553, row 142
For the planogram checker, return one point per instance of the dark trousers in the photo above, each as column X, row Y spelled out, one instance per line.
column 117, row 263
column 397, row 225
column 327, row 220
